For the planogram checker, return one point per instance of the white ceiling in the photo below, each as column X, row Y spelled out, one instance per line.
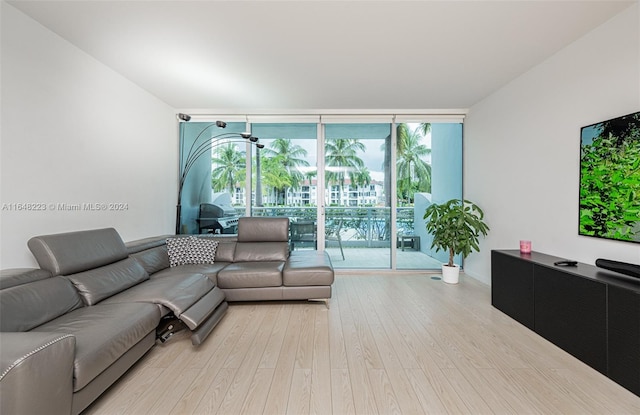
column 240, row 55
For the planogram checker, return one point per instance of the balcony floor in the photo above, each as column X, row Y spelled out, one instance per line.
column 380, row 258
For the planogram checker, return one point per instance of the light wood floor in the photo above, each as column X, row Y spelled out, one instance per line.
column 388, row 345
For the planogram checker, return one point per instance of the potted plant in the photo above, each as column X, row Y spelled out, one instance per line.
column 456, row 226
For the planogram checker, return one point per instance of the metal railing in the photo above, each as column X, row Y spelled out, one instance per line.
column 359, row 226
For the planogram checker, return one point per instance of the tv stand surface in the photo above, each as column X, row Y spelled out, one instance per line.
column 591, row 313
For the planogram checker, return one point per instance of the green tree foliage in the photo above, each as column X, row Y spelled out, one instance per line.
column 276, row 177
column 229, row 162
column 610, row 182
column 413, row 172
column 291, row 156
column 342, row 160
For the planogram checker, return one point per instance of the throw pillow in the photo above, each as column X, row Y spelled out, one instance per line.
column 201, row 251
column 177, row 247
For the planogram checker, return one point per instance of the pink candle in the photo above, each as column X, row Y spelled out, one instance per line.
column 525, row 247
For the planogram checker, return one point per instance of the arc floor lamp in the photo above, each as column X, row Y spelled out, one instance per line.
column 201, row 146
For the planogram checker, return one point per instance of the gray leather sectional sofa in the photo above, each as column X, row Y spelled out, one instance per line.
column 71, row 328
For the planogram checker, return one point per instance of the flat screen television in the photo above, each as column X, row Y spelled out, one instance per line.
column 610, row 179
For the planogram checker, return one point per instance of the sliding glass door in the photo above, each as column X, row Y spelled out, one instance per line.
column 428, row 162
column 356, row 187
column 357, row 202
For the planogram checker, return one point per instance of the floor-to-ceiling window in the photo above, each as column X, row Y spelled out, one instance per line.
column 428, row 161
column 356, row 187
column 357, row 203
column 284, row 172
column 211, row 167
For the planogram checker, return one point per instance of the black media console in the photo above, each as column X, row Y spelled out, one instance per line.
column 591, row 313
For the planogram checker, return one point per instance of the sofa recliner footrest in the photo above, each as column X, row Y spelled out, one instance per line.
column 200, row 311
column 205, row 329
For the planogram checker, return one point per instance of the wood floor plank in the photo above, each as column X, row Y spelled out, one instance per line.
column 465, row 390
column 393, row 324
column 281, row 384
column 341, row 393
column 336, row 334
column 246, row 339
column 216, row 392
column 357, row 320
column 179, row 384
column 426, row 394
column 407, row 398
column 257, row 392
column 378, row 322
column 602, row 393
column 401, row 344
column 191, row 397
column 272, row 350
column 320, row 402
column 358, row 361
column 246, row 372
column 448, row 394
column 304, row 351
column 300, row 392
column 491, row 393
column 386, row 399
column 510, row 393
column 524, row 380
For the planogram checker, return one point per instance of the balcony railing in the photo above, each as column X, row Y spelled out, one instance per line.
column 359, row 226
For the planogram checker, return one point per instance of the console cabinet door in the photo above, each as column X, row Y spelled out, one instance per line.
column 571, row 312
column 512, row 287
column 624, row 337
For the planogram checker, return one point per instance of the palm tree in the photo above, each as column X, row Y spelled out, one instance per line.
column 276, row 177
column 341, row 155
column 413, row 172
column 229, row 162
column 290, row 156
column 361, row 177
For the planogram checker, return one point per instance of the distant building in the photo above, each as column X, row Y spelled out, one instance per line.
column 307, row 195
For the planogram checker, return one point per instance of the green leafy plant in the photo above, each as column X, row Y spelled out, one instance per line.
column 456, row 226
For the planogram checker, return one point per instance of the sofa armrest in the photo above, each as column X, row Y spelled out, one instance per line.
column 36, row 373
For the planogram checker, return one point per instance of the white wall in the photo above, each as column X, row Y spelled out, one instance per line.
column 521, row 152
column 74, row 132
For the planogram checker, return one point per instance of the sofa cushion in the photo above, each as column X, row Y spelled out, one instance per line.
column 261, row 251
column 306, row 268
column 26, row 306
column 251, row 274
column 209, row 270
column 260, row 229
column 72, row 252
column 103, row 333
column 153, row 259
column 226, row 249
column 97, row 284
